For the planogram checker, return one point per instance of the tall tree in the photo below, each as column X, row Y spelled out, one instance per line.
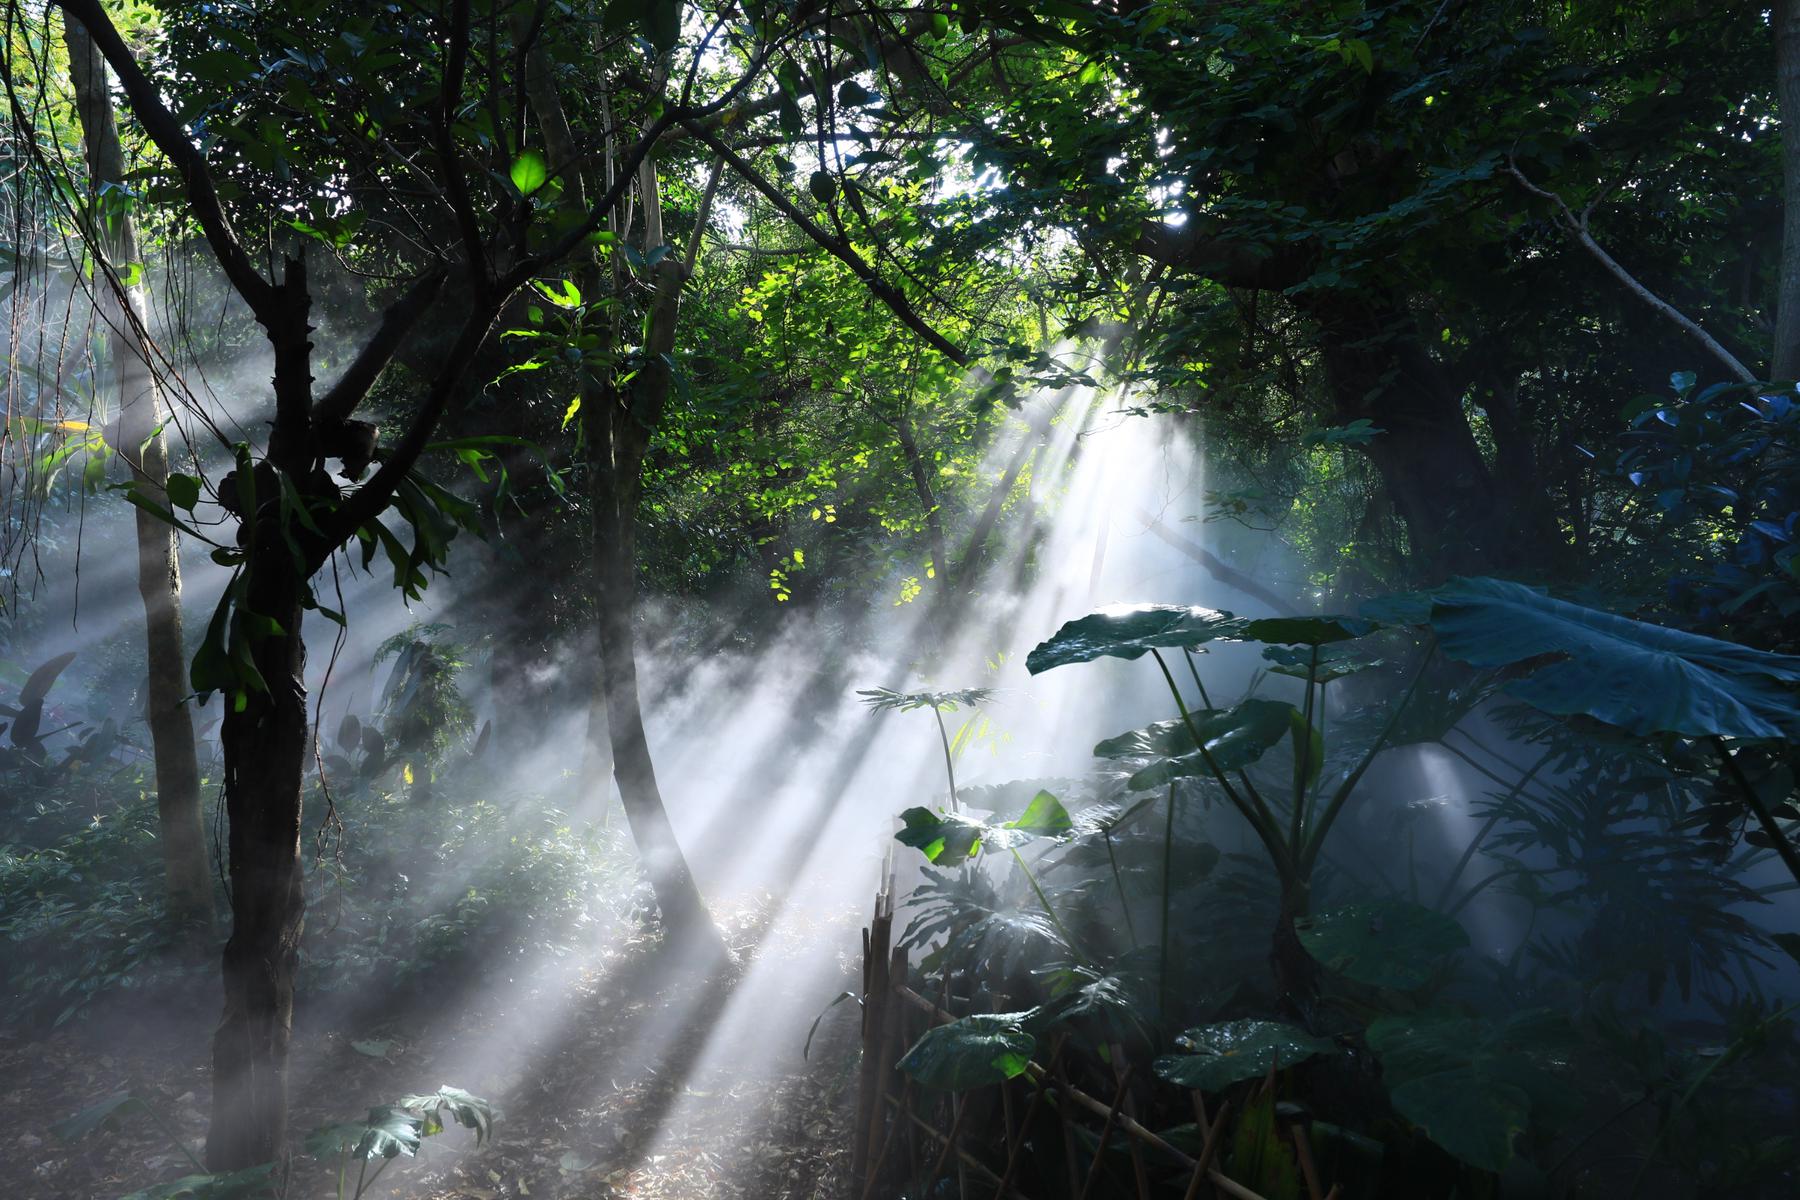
column 119, row 296
column 1786, row 363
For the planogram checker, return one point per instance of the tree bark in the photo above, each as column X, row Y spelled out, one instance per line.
column 1787, row 78
column 1458, row 520
column 921, row 477
column 142, row 445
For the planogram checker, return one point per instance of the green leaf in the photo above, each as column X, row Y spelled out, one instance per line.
column 1642, row 678
column 1390, row 944
column 1130, row 631
column 662, row 24
column 1043, row 817
column 972, row 1052
column 183, row 491
column 237, row 1185
column 1332, row 663
column 1221, row 1055
column 944, row 838
column 1305, row 631
column 1234, row 737
column 529, row 172
column 822, row 186
column 391, row 1130
column 90, row 1121
column 852, row 94
column 1470, row 1085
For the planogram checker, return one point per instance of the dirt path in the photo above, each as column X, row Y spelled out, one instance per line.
column 620, row 1078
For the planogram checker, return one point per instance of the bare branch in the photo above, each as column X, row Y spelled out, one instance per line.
column 399, row 319
column 1577, row 228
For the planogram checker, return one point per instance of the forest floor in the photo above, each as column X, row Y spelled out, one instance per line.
column 604, row 1080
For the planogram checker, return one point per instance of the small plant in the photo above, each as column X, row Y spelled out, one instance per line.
column 888, row 700
column 391, row 1131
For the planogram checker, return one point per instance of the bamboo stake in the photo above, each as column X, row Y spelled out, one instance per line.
column 1209, row 1147
column 974, row 1164
column 1303, row 1151
column 1099, row 1108
column 1017, row 1144
column 1105, row 1135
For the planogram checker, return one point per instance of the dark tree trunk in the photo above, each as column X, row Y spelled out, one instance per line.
column 264, row 734
column 265, row 752
column 921, row 477
column 1457, row 519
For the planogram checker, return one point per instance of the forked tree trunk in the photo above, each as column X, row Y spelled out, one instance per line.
column 145, row 450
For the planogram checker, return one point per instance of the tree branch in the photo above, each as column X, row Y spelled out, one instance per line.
column 1577, row 228
column 396, row 322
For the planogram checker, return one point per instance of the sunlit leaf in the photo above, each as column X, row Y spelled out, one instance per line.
column 1218, row 1056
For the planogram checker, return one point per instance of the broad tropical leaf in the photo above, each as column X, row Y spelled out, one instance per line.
column 1642, row 678
column 1235, row 737
column 1221, row 1055
column 1391, row 944
column 972, row 1052
column 1306, row 631
column 1470, row 1085
column 1130, row 631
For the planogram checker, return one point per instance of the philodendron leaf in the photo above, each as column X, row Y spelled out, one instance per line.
column 1305, row 631
column 1391, row 944
column 1221, row 1055
column 1470, row 1085
column 470, row 1111
column 1234, row 737
column 971, row 1052
column 389, row 1131
column 944, row 838
column 1642, row 678
column 1130, row 631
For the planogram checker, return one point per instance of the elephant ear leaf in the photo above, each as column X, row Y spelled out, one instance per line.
column 1130, row 631
column 1470, row 1085
column 1642, row 678
column 1221, row 1055
column 1234, row 737
column 971, row 1052
column 1392, row 944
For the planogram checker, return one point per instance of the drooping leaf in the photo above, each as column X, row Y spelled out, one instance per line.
column 1391, row 944
column 390, row 1131
column 1642, row 678
column 971, row 1052
column 39, row 684
column 183, row 491
column 1130, row 631
column 1218, row 1056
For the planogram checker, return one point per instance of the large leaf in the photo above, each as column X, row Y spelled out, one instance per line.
column 1234, row 737
column 1221, row 1055
column 91, row 1120
column 1306, row 631
column 943, row 838
column 237, row 1185
column 390, row 1130
column 1642, row 678
column 1470, row 1085
column 971, row 1052
column 1391, row 944
column 1130, row 631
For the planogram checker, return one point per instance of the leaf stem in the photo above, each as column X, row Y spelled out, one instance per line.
column 1162, row 953
column 949, row 762
column 1309, row 853
column 1754, row 803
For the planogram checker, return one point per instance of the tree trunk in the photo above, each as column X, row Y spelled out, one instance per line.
column 265, row 753
column 1458, row 520
column 921, row 477
column 142, row 445
column 1787, row 78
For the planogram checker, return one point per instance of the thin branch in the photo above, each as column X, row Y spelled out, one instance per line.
column 1577, row 228
column 396, row 322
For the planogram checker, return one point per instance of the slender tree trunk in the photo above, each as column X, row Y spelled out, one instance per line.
column 921, row 477
column 1787, row 78
column 145, row 450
